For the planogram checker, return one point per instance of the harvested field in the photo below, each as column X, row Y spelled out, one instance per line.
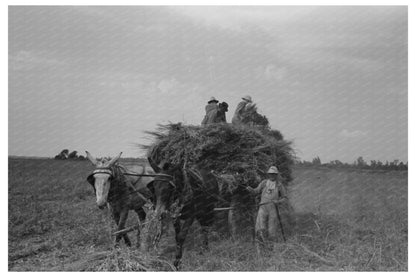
column 347, row 220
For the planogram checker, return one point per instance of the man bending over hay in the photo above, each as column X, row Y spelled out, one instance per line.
column 272, row 192
column 241, row 109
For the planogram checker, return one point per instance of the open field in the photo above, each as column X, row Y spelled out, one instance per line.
column 347, row 220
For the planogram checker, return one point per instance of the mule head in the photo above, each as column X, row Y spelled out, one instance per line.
column 101, row 177
column 162, row 187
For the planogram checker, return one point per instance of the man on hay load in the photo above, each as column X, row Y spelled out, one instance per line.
column 241, row 109
column 273, row 192
column 211, row 110
column 214, row 112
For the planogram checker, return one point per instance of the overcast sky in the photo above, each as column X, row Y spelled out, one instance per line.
column 332, row 79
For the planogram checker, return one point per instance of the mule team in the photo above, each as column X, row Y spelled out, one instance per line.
column 124, row 189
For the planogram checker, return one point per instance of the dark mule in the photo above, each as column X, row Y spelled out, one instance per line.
column 122, row 192
column 194, row 192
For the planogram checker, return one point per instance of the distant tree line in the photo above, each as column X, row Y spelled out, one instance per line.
column 358, row 163
column 66, row 155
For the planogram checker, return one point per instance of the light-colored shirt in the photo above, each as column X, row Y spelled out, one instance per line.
column 270, row 191
column 238, row 114
column 211, row 113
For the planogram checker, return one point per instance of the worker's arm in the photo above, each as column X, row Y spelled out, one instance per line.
column 282, row 192
column 240, row 107
column 259, row 187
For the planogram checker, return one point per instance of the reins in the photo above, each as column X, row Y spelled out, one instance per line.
column 158, row 177
column 162, row 177
column 149, row 175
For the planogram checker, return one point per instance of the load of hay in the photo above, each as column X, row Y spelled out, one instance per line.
column 244, row 151
column 238, row 154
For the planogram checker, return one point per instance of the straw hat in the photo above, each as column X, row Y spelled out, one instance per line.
column 212, row 99
column 247, row 98
column 273, row 170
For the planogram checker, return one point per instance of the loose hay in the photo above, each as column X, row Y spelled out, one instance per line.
column 245, row 152
column 123, row 259
column 253, row 118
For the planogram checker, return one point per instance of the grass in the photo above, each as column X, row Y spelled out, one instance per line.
column 347, row 220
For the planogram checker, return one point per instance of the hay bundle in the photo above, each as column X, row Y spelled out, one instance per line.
column 243, row 151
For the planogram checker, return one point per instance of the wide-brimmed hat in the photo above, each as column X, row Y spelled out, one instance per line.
column 212, row 99
column 247, row 98
column 273, row 170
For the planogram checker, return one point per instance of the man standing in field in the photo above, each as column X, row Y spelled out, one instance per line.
column 211, row 111
column 272, row 193
column 239, row 111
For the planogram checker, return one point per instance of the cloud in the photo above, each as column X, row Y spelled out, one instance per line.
column 168, row 86
column 340, row 38
column 352, row 134
column 124, row 82
column 316, row 59
column 100, row 12
column 329, row 17
column 236, row 17
column 272, row 72
column 28, row 60
column 125, row 17
column 156, row 28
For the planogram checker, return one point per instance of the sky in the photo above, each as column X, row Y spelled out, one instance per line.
column 332, row 79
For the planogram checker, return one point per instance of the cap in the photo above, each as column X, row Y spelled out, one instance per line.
column 212, row 99
column 247, row 98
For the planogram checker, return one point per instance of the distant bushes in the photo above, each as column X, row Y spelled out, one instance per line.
column 359, row 163
column 65, row 155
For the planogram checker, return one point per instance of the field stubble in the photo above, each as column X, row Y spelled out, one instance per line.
column 346, row 220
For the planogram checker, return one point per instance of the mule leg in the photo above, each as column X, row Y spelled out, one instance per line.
column 205, row 230
column 205, row 221
column 232, row 218
column 116, row 217
column 142, row 217
column 180, row 236
column 121, row 224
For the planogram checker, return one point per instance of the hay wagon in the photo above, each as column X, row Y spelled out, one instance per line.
column 238, row 155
